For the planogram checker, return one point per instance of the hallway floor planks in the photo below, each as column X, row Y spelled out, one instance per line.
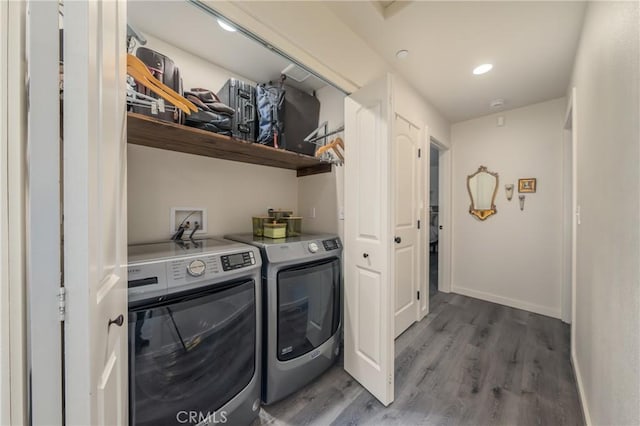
column 469, row 362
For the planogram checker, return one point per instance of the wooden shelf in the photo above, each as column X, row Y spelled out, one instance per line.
column 148, row 131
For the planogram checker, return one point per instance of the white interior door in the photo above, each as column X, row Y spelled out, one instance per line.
column 95, row 238
column 406, row 175
column 369, row 295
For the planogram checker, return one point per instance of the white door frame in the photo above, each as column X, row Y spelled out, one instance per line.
column 570, row 222
column 43, row 213
column 13, row 134
column 444, row 212
column 423, row 199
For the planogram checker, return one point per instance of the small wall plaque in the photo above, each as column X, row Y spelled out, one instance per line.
column 527, row 185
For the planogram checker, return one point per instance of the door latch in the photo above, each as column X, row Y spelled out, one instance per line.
column 62, row 303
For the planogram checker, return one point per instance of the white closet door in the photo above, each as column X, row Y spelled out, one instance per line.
column 369, row 292
column 95, row 212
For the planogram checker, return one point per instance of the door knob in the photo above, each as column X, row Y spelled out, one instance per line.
column 398, row 240
column 118, row 321
column 365, row 255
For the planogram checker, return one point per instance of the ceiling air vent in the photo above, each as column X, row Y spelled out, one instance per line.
column 295, row 72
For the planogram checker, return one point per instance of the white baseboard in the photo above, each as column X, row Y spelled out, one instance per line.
column 514, row 303
column 583, row 399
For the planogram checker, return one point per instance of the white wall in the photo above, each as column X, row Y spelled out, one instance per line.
column 231, row 192
column 514, row 257
column 324, row 192
column 408, row 103
column 607, row 327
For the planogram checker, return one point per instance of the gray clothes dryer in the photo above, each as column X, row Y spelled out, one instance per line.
column 302, row 288
column 194, row 333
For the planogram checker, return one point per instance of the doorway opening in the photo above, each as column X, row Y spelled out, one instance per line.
column 434, row 209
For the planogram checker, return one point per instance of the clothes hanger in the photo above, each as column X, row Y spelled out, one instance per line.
column 338, row 153
column 144, row 81
column 135, row 63
column 145, row 78
column 138, row 70
column 338, row 142
column 330, row 145
column 333, row 145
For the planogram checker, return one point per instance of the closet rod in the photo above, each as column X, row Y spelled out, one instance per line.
column 333, row 132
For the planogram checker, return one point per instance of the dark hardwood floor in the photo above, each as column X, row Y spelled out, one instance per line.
column 433, row 273
column 469, row 362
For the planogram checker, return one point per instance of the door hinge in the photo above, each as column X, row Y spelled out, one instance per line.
column 418, row 295
column 418, row 224
column 62, row 303
column 419, row 152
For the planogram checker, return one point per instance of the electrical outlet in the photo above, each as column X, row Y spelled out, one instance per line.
column 188, row 216
column 312, row 213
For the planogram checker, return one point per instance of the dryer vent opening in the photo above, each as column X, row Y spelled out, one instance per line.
column 296, row 73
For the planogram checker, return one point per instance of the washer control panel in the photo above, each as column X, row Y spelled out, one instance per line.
column 237, row 260
column 183, row 271
column 161, row 269
column 196, row 268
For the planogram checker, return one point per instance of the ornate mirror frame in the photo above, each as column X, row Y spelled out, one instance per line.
column 483, row 214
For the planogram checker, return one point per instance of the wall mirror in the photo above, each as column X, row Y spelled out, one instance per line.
column 483, row 187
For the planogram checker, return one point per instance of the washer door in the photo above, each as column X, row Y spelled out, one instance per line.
column 191, row 354
column 308, row 307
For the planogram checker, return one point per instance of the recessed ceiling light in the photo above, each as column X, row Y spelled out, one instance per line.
column 225, row 26
column 402, row 54
column 481, row 69
column 497, row 103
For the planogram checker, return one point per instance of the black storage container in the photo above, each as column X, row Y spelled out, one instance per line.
column 165, row 70
column 301, row 115
column 241, row 96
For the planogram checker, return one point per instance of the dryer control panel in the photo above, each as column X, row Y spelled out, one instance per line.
column 332, row 244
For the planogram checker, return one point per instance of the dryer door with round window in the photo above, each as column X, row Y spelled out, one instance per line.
column 308, row 307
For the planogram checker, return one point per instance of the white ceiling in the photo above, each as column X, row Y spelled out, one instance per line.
column 532, row 46
column 191, row 29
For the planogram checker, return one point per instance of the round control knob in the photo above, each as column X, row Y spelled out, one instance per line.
column 196, row 268
column 313, row 247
